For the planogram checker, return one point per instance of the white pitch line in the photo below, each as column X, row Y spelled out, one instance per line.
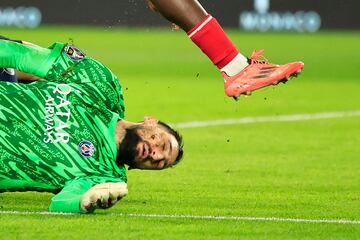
column 229, row 218
column 264, row 119
column 238, row 218
column 37, row 213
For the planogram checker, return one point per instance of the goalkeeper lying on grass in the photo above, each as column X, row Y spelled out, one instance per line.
column 67, row 134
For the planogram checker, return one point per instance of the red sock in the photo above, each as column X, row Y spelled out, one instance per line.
column 209, row 36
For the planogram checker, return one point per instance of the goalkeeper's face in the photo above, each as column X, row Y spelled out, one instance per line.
column 152, row 146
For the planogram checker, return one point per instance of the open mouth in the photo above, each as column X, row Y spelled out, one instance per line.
column 144, row 151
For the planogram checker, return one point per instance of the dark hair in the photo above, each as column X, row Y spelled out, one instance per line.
column 178, row 138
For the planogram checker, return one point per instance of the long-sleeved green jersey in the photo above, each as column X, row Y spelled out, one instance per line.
column 58, row 135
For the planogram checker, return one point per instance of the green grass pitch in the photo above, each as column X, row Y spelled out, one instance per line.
column 301, row 170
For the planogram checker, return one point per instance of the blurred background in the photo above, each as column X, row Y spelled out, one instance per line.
column 251, row 15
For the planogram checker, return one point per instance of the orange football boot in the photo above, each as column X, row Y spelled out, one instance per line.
column 260, row 73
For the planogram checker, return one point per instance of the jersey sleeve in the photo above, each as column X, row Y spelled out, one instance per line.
column 68, row 200
column 34, row 60
column 13, row 40
column 98, row 83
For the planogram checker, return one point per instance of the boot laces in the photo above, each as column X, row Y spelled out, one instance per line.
column 257, row 57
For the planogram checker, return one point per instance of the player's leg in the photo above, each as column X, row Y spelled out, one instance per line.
column 208, row 35
column 185, row 13
column 204, row 31
column 8, row 75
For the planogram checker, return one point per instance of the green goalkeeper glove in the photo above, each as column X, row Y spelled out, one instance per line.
column 104, row 195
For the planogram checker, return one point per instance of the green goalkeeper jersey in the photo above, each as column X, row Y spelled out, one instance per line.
column 58, row 135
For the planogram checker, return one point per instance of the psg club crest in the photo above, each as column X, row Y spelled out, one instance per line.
column 86, row 148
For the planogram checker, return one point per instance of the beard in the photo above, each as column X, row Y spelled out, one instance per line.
column 127, row 150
